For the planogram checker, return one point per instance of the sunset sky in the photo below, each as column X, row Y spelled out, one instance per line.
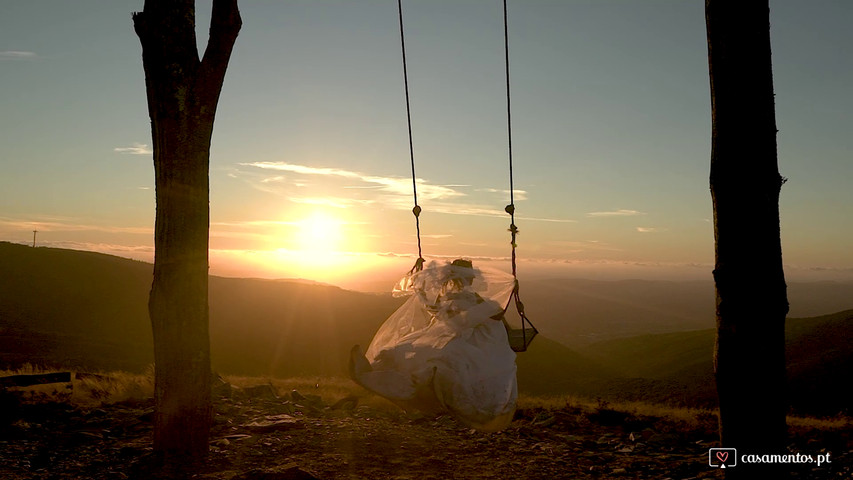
column 309, row 168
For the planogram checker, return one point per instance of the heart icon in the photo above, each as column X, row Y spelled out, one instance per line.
column 723, row 456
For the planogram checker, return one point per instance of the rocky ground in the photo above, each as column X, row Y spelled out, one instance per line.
column 259, row 435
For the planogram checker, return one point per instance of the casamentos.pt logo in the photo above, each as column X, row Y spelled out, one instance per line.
column 728, row 457
column 722, row 457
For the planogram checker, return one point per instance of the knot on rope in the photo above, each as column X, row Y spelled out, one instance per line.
column 419, row 265
column 510, row 209
column 417, row 210
column 513, row 230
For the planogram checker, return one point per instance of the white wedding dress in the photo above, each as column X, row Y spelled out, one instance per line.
column 446, row 348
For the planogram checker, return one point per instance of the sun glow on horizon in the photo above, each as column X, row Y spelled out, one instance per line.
column 317, row 245
column 358, row 271
column 319, row 234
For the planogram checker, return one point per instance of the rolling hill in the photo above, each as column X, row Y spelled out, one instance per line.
column 663, row 367
column 89, row 310
column 579, row 312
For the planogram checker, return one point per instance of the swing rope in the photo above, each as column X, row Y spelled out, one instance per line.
column 510, row 209
column 419, row 263
column 519, row 338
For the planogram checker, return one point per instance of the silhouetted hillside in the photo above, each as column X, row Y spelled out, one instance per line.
column 88, row 309
column 82, row 309
column 550, row 368
column 820, row 359
column 73, row 308
column 283, row 328
column 678, row 367
column 91, row 310
column 578, row 312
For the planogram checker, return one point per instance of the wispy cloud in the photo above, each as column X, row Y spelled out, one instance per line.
column 254, row 223
column 577, row 246
column 648, row 229
column 439, row 258
column 545, row 219
column 334, row 202
column 392, row 185
column 16, row 55
column 616, row 213
column 62, row 224
column 136, row 149
column 388, row 191
column 275, row 179
column 475, row 210
column 133, row 251
column 517, row 194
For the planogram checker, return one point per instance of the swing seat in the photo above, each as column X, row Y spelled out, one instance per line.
column 520, row 338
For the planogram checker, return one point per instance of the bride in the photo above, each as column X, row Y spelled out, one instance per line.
column 446, row 348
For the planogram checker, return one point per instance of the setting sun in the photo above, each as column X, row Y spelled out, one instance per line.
column 316, row 245
column 320, row 233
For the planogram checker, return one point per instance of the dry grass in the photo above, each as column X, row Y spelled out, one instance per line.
column 678, row 419
column 330, row 389
column 97, row 388
column 797, row 423
column 664, row 418
column 92, row 389
column 634, row 408
column 86, row 389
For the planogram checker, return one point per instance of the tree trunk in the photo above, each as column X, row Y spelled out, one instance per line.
column 745, row 184
column 182, row 92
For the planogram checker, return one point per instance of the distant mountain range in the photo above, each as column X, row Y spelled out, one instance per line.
column 579, row 312
column 91, row 310
column 678, row 367
column 648, row 340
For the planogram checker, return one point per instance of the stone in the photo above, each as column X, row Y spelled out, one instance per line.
column 347, row 403
column 261, row 392
column 664, row 439
column 274, row 423
column 219, row 387
column 291, row 473
column 296, row 396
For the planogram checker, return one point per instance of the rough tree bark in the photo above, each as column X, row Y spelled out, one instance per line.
column 745, row 184
column 182, row 92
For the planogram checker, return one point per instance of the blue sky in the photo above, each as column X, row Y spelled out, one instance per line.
column 309, row 165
